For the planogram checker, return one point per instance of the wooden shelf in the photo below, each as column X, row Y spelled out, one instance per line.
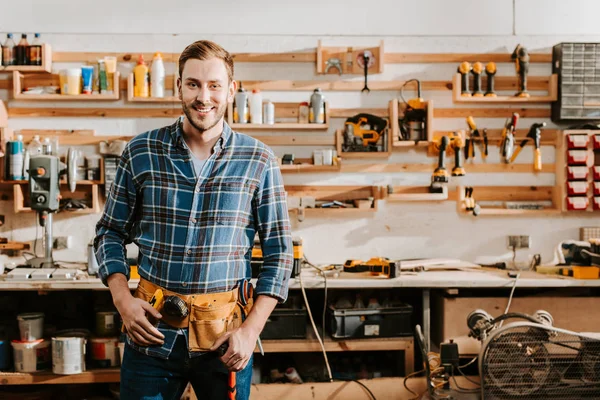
column 107, row 375
column 348, row 57
column 89, row 192
column 510, row 194
column 45, row 67
column 166, row 99
column 67, row 137
column 415, row 193
column 552, row 94
column 348, row 155
column 322, row 193
column 283, row 113
column 306, row 165
column 312, row 345
column 14, row 246
column 20, row 80
column 395, row 109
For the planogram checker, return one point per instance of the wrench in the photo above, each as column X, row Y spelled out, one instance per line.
column 366, row 59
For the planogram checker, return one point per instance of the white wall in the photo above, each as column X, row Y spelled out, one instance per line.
column 398, row 230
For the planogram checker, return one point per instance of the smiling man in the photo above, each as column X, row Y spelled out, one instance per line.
column 192, row 197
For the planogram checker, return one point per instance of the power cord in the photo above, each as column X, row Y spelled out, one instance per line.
column 512, row 292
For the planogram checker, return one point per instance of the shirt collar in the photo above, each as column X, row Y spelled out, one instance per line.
column 177, row 133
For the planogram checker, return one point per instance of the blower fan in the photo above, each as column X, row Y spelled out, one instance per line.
column 531, row 359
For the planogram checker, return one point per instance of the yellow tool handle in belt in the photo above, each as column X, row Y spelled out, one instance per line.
column 156, row 301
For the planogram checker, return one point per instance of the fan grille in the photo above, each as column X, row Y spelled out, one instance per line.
column 538, row 362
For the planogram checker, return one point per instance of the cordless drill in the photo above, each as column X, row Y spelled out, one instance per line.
column 457, row 144
column 521, row 57
column 440, row 175
column 490, row 70
column 477, row 71
column 464, row 69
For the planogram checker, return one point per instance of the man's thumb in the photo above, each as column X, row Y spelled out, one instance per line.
column 151, row 310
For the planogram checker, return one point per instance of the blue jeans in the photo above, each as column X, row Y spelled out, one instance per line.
column 151, row 378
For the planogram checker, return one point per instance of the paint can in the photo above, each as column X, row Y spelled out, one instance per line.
column 31, row 356
column 105, row 352
column 31, row 326
column 107, row 323
column 68, row 355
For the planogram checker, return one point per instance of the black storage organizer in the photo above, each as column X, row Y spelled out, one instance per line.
column 578, row 68
column 369, row 322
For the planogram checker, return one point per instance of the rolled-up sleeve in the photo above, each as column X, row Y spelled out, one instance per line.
column 113, row 228
column 274, row 231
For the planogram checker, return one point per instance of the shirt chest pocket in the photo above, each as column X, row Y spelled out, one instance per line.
column 230, row 201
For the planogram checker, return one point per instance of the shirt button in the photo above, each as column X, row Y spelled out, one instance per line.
column 189, row 251
column 197, row 190
column 184, row 284
column 193, row 220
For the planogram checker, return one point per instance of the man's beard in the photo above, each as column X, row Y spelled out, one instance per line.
column 206, row 124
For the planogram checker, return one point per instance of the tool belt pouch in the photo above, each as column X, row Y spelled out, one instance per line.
column 212, row 315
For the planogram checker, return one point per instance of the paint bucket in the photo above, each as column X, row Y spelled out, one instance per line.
column 107, row 323
column 31, row 326
column 105, row 352
column 68, row 355
column 4, row 355
column 31, row 356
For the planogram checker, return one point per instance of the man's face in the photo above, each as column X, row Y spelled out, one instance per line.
column 205, row 90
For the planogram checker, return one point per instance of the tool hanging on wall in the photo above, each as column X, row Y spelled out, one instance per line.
column 464, row 69
column 456, row 143
column 477, row 71
column 440, row 176
column 470, row 204
column 521, row 57
column 333, row 63
column 490, row 71
column 507, row 146
column 366, row 60
column 535, row 133
column 365, row 133
column 413, row 124
column 475, row 138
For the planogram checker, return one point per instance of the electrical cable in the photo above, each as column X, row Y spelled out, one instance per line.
column 410, row 376
column 402, row 89
column 467, row 364
column 312, row 321
column 366, row 388
column 467, row 378
column 512, row 292
column 325, row 296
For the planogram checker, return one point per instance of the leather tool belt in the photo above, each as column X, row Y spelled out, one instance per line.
column 210, row 315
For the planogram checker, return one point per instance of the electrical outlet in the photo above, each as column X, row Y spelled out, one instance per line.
column 519, row 241
column 62, row 242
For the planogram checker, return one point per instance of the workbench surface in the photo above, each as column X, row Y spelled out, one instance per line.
column 481, row 278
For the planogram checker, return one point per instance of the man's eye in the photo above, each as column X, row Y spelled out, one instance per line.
column 192, row 84
column 215, row 86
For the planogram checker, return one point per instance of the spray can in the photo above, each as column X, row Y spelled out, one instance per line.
column 240, row 107
column 14, row 151
column 316, row 113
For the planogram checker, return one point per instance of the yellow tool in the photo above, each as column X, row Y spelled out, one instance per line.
column 456, row 143
column 413, row 124
column 507, row 147
column 156, row 302
column 521, row 57
column 476, row 138
column 477, row 71
column 534, row 134
column 257, row 257
column 581, row 272
column 490, row 70
column 464, row 69
column 363, row 132
column 440, row 176
column 376, row 267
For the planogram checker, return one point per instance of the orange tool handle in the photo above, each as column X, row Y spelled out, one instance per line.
column 231, row 386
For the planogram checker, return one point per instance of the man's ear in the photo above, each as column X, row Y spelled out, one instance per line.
column 232, row 89
column 179, row 89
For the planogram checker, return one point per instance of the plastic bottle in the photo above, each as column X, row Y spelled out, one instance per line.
column 317, row 107
column 140, row 79
column 47, row 146
column 157, row 76
column 35, row 51
column 240, row 107
column 35, row 146
column 269, row 112
column 8, row 50
column 22, row 51
column 256, row 107
column 14, row 149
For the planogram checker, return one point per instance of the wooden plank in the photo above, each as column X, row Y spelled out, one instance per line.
column 280, row 126
column 548, row 137
column 289, row 140
column 113, row 112
column 14, row 246
column 503, row 112
column 323, row 192
column 512, row 193
column 290, row 57
column 71, row 137
column 312, row 345
column 552, row 88
column 350, row 112
column 105, row 375
column 22, row 81
column 421, row 58
column 470, row 168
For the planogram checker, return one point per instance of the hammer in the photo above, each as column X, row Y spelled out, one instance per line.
column 534, row 134
column 231, row 384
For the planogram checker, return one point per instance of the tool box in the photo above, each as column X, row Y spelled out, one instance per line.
column 369, row 322
column 257, row 257
column 287, row 321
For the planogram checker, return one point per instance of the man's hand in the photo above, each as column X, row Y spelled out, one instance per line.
column 242, row 342
column 140, row 330
column 133, row 312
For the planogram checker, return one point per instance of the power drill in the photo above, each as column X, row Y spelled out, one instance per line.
column 521, row 57
column 440, row 175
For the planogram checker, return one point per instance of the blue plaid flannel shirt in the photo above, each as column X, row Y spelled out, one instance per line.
column 195, row 233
